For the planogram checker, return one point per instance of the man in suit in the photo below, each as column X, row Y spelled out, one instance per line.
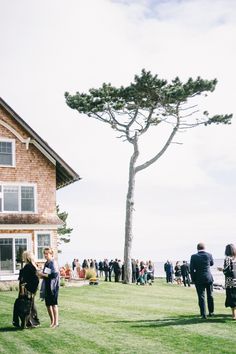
column 117, row 270
column 185, row 273
column 200, row 264
column 168, row 267
column 106, row 268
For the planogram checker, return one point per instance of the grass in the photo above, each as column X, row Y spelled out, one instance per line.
column 116, row 318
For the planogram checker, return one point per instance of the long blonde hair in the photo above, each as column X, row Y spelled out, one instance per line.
column 28, row 257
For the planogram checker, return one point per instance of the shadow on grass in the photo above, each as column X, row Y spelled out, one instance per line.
column 177, row 321
column 10, row 329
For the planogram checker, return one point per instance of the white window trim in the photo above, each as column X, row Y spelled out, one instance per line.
column 36, row 233
column 20, row 184
column 13, row 151
column 28, row 245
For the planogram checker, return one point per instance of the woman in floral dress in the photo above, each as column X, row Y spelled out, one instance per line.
column 229, row 271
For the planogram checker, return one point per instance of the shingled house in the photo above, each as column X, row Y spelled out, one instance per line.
column 30, row 173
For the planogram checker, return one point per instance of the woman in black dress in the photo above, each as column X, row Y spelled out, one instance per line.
column 229, row 271
column 50, row 286
column 177, row 270
column 28, row 284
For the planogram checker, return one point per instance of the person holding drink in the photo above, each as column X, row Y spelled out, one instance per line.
column 229, row 271
column 50, row 286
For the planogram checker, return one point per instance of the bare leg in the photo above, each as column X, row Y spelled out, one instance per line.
column 233, row 312
column 55, row 315
column 51, row 314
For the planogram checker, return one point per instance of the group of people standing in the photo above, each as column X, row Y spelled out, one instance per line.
column 200, row 264
column 29, row 278
column 106, row 268
column 142, row 272
column 180, row 273
column 198, row 273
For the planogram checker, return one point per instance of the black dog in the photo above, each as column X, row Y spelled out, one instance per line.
column 22, row 309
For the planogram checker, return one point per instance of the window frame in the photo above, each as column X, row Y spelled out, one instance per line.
column 13, row 236
column 43, row 232
column 13, row 142
column 21, row 199
column 19, row 185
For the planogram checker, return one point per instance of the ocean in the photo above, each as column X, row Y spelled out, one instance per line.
column 217, row 275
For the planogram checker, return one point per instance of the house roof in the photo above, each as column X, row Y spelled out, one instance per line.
column 64, row 173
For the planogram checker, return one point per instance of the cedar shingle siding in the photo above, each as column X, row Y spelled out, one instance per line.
column 35, row 163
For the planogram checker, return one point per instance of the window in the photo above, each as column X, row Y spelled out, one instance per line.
column 20, row 247
column 7, row 152
column 11, row 197
column 11, row 249
column 27, row 198
column 43, row 240
column 6, row 255
column 17, row 198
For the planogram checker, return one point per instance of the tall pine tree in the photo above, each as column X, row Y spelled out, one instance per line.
column 148, row 102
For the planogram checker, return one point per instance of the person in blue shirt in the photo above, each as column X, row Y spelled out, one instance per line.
column 50, row 286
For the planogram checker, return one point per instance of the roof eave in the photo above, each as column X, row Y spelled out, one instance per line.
column 70, row 174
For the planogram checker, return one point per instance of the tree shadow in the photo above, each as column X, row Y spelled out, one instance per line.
column 177, row 321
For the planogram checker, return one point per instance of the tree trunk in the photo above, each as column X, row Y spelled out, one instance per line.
column 129, row 217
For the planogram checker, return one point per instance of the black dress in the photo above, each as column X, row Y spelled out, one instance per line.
column 177, row 272
column 28, row 276
column 230, row 281
column 29, row 279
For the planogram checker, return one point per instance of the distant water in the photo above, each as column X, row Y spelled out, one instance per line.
column 217, row 275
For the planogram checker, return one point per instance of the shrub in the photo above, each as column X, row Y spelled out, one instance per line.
column 90, row 273
column 3, row 287
column 11, row 287
column 62, row 282
column 8, row 286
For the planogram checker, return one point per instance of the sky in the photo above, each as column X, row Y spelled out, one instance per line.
column 186, row 197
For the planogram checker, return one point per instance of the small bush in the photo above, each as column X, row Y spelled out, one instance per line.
column 90, row 273
column 62, row 282
column 9, row 286
column 3, row 287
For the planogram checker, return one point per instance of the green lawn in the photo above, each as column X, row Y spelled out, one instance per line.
column 117, row 318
